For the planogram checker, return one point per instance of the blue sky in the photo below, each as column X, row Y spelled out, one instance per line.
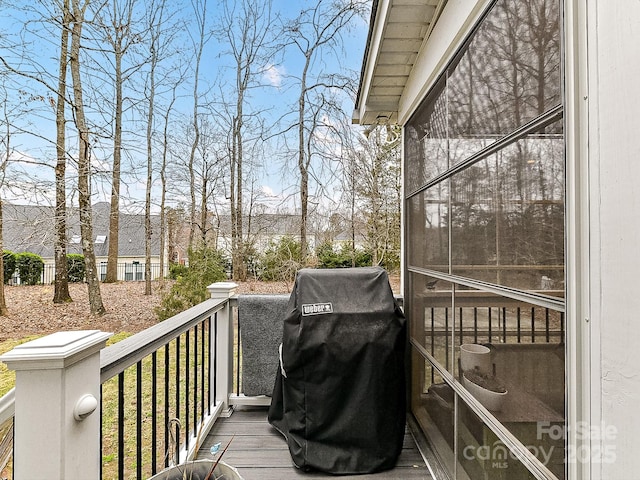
column 274, row 98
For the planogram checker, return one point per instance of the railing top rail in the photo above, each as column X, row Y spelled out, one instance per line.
column 7, row 406
column 121, row 355
column 477, row 298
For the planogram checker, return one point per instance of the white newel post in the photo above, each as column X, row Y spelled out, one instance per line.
column 57, row 406
column 224, row 345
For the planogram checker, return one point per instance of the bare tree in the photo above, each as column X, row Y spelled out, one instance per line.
column 5, row 141
column 245, row 28
column 378, row 186
column 200, row 14
column 162, row 32
column 155, row 18
column 155, row 22
column 78, row 9
column 163, row 178
column 350, row 192
column 61, row 289
column 3, row 303
column 316, row 32
column 208, row 174
column 118, row 29
column 56, row 98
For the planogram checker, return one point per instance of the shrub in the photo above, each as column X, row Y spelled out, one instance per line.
column 346, row 257
column 30, row 268
column 206, row 266
column 391, row 261
column 328, row 257
column 75, row 267
column 177, row 270
column 281, row 260
column 363, row 258
column 9, row 264
column 251, row 259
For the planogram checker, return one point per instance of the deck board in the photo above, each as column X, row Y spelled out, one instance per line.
column 260, row 452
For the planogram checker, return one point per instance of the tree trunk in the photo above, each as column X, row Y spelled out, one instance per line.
column 61, row 284
column 163, row 183
column 239, row 268
column 84, row 184
column 3, row 304
column 114, row 212
column 203, row 206
column 246, row 27
column 315, row 30
column 232, row 198
column 192, row 175
column 147, row 205
column 196, row 131
column 303, row 163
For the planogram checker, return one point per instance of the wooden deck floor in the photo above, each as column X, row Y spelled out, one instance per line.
column 259, row 452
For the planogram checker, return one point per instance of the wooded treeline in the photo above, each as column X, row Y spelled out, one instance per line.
column 193, row 103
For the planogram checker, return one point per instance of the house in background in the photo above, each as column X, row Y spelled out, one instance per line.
column 264, row 229
column 30, row 228
column 520, row 162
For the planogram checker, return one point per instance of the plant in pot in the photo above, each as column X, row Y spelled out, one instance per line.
column 199, row 470
column 208, row 469
column 485, row 387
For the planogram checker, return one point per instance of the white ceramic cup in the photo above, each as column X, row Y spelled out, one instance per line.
column 473, row 355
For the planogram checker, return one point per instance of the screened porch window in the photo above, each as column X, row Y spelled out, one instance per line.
column 485, row 220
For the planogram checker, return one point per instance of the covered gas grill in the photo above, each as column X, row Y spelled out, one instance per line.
column 339, row 396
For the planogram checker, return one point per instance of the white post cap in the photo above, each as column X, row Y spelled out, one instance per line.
column 58, row 350
column 222, row 289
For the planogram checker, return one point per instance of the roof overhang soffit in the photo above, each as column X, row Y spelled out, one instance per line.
column 398, row 30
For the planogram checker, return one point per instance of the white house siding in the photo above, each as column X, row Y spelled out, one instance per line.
column 612, row 103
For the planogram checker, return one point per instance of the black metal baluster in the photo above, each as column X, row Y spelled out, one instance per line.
column 187, row 387
column 504, row 324
column 195, row 379
column 446, row 337
column 562, row 328
column 460, row 327
column 238, row 358
column 209, row 362
column 519, row 318
column 215, row 358
column 139, row 420
column 121, row 425
column 546, row 324
column 433, row 340
column 177, row 380
column 167, row 354
column 202, row 369
column 475, row 324
column 533, row 325
column 489, row 319
column 154, row 412
column 101, row 430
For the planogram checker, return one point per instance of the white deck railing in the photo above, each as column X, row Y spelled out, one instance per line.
column 55, row 406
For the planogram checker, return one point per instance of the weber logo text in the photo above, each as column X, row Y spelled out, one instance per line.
column 316, row 308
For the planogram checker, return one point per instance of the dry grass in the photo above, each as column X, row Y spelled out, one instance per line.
column 32, row 311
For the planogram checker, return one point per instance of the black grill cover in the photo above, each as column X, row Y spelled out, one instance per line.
column 340, row 402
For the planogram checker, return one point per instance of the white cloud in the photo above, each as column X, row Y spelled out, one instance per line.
column 273, row 75
column 268, row 191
